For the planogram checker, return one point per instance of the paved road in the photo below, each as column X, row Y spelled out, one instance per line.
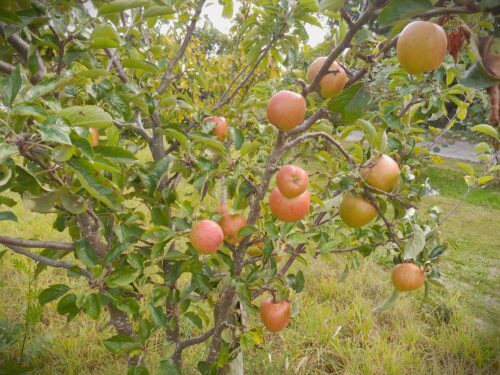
column 448, row 148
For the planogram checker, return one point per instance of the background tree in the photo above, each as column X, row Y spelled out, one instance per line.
column 143, row 75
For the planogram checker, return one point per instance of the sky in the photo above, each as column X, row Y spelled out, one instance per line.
column 214, row 13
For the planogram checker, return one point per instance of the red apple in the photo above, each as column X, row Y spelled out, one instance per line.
column 221, row 128
column 289, row 209
column 381, row 172
column 292, row 180
column 231, row 225
column 275, row 316
column 421, row 47
column 332, row 83
column 407, row 277
column 355, row 211
column 286, row 110
column 207, row 236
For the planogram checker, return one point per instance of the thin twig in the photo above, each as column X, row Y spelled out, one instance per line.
column 370, row 197
column 197, row 339
column 36, row 244
column 325, row 136
column 167, row 78
column 46, row 261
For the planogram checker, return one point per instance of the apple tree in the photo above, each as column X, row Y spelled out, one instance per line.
column 156, row 140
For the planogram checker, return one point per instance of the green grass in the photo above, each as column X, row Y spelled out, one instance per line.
column 335, row 331
column 449, row 181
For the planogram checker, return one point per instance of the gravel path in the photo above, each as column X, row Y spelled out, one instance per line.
column 446, row 147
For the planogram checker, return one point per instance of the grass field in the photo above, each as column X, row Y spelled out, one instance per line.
column 335, row 331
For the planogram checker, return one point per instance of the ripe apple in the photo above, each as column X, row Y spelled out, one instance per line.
column 355, row 211
column 407, row 276
column 221, row 128
column 381, row 172
column 275, row 316
column 289, row 209
column 94, row 137
column 292, row 180
column 231, row 225
column 332, row 83
column 421, row 47
column 286, row 110
column 206, row 236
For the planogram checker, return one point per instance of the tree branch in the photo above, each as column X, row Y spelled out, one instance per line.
column 45, row 260
column 226, row 100
column 382, row 216
column 196, row 339
column 168, row 77
column 6, row 67
column 318, row 115
column 327, row 137
column 116, row 63
column 23, row 49
column 36, row 244
column 353, row 29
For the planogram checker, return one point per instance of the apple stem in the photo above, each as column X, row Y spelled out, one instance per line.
column 273, row 293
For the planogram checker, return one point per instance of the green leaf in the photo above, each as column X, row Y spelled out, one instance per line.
column 6, row 150
column 45, row 87
column 140, row 65
column 10, row 85
column 121, row 344
column 477, row 77
column 55, row 131
column 227, row 11
column 122, row 276
column 5, row 175
column 467, row 168
column 7, row 216
column 389, row 303
column 43, row 203
column 194, row 318
column 8, row 17
column 67, row 306
column 415, row 244
column 115, row 252
column 129, row 306
column 104, row 36
column 486, row 129
column 247, row 230
column 211, row 143
column 332, row 5
column 485, row 179
column 95, row 184
column 178, row 136
column 311, row 5
column 398, row 9
column 117, row 154
column 168, row 368
column 85, row 253
column 92, row 306
column 237, row 136
column 72, row 203
column 159, row 318
column 29, row 109
column 157, row 10
column 351, row 103
column 87, row 116
column 117, row 6
column 368, row 129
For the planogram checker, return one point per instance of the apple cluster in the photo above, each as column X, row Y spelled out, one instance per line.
column 421, row 47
